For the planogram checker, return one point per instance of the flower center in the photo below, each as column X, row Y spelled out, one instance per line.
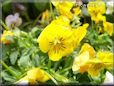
column 58, row 44
column 98, row 66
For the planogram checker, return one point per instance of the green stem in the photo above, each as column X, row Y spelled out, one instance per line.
column 56, row 65
column 3, row 24
column 49, row 64
column 92, row 24
column 59, row 77
column 90, row 77
column 23, row 75
column 9, row 69
column 36, row 19
column 66, row 69
column 52, row 78
column 51, row 10
column 26, row 24
column 84, row 20
column 26, row 16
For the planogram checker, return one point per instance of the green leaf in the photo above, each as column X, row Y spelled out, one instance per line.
column 59, row 77
column 7, row 77
column 36, row 31
column 24, row 61
column 83, row 78
column 13, row 57
column 10, row 38
column 41, row 5
column 68, row 62
column 36, row 60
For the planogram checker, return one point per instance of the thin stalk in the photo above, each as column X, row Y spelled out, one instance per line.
column 66, row 69
column 59, row 77
column 90, row 77
column 92, row 24
column 3, row 24
column 23, row 75
column 9, row 69
column 52, row 78
column 26, row 16
column 51, row 10
column 36, row 19
column 49, row 64
column 56, row 65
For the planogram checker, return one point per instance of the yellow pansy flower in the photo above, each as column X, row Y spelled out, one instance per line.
column 108, row 27
column 104, row 59
column 64, row 7
column 79, row 34
column 85, row 62
column 56, row 39
column 95, row 68
column 95, row 8
column 4, row 35
column 89, row 48
column 35, row 75
column 77, row 10
column 80, row 61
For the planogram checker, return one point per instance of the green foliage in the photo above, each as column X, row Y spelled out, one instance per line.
column 24, row 53
column 13, row 57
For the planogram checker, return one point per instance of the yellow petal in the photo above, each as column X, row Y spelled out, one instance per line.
column 95, row 69
column 80, row 61
column 68, row 49
column 89, row 48
column 106, row 57
column 4, row 35
column 35, row 74
column 45, row 16
column 55, row 55
column 77, row 10
column 99, row 18
column 62, row 20
column 45, row 78
column 108, row 27
column 64, row 7
column 84, row 68
column 43, row 39
column 79, row 34
column 43, row 43
column 96, row 65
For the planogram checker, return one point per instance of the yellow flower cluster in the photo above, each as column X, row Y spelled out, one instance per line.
column 35, row 75
column 91, row 62
column 59, row 39
column 65, row 7
column 4, row 36
column 97, row 9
